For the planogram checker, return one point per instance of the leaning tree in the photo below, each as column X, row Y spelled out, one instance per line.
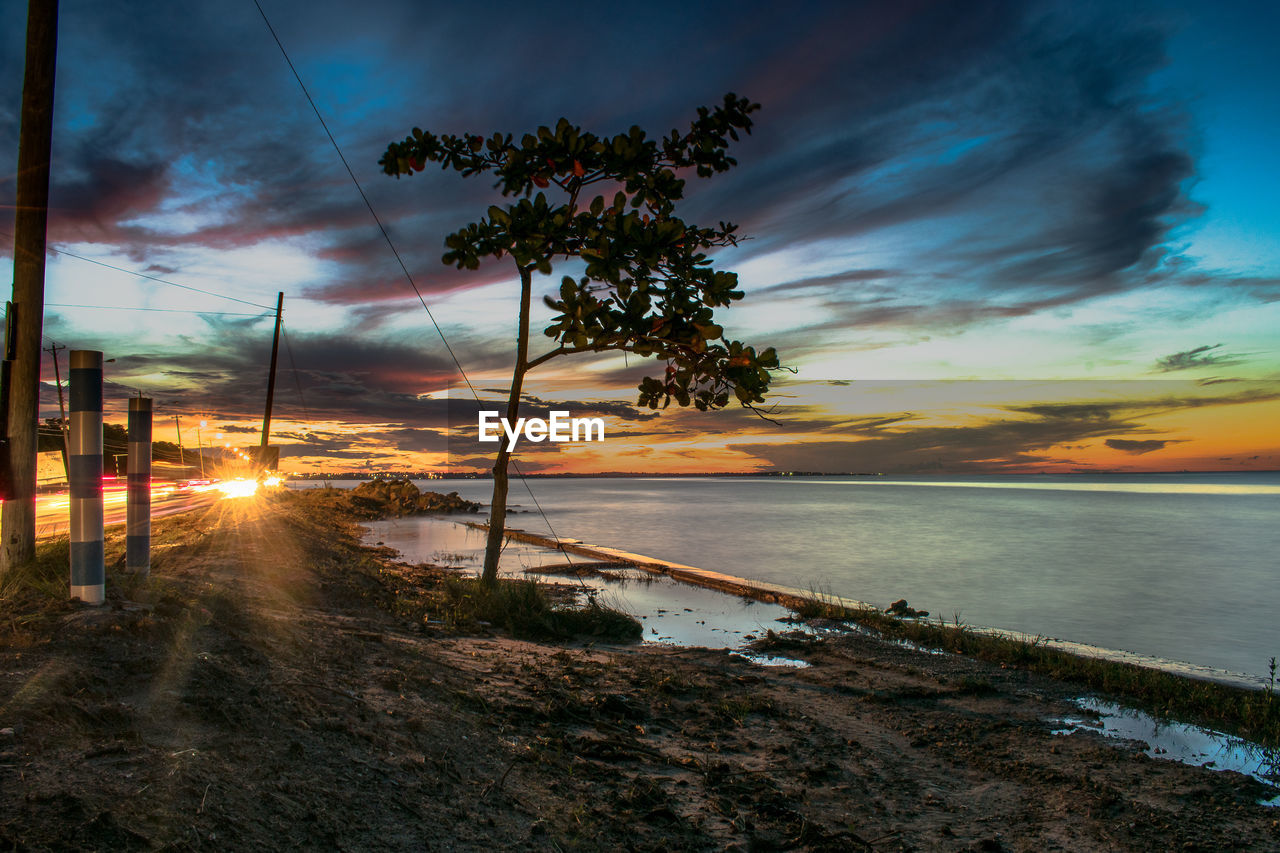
column 647, row 286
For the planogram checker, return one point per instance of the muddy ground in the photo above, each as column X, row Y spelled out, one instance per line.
column 273, row 686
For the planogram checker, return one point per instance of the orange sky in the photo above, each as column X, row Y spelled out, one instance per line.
column 861, row 427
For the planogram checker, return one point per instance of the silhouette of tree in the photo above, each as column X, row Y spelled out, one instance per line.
column 648, row 287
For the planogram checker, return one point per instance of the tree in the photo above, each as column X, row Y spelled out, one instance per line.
column 647, row 286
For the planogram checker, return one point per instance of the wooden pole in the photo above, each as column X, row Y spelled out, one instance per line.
column 62, row 408
column 271, row 380
column 35, row 139
column 177, row 427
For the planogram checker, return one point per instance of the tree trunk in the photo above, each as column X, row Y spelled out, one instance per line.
column 498, row 505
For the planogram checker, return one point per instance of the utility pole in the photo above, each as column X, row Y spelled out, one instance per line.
column 62, row 408
column 200, row 446
column 177, row 425
column 271, row 381
column 30, row 227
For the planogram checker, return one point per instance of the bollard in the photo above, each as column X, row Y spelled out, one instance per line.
column 88, row 572
column 138, row 527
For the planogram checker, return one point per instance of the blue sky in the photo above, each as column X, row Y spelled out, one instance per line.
column 1021, row 191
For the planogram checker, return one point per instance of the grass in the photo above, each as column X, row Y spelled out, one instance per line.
column 1251, row 714
column 44, row 578
column 526, row 611
column 30, row 593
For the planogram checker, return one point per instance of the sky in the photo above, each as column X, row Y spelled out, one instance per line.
column 986, row 236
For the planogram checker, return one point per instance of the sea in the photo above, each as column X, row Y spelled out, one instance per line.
column 1181, row 567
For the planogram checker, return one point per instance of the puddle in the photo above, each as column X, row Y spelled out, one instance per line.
column 670, row 612
column 1178, row 742
column 762, row 659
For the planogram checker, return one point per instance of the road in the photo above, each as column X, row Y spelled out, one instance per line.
column 53, row 509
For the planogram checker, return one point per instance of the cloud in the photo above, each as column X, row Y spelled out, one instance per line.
column 1136, row 446
column 1041, row 128
column 592, row 408
column 1202, row 356
column 922, row 170
column 1037, row 435
column 322, row 376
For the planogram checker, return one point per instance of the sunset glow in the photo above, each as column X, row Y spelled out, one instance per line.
column 945, row 224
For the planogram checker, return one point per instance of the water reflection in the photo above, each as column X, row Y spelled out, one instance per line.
column 671, row 612
column 1180, row 742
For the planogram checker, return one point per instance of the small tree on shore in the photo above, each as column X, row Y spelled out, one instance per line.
column 648, row 287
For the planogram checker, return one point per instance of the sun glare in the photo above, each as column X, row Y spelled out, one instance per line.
column 238, row 488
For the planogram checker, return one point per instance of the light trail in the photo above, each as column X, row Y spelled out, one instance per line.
column 53, row 509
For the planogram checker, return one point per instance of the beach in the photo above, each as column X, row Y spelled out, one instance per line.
column 1173, row 567
column 276, row 685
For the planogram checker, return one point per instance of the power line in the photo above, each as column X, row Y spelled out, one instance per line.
column 160, row 280
column 360, row 189
column 403, row 267
column 164, row 310
column 154, row 278
column 294, row 368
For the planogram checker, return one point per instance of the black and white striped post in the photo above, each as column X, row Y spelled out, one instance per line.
column 88, row 571
column 138, row 527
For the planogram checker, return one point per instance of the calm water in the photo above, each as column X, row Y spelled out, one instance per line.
column 1185, row 567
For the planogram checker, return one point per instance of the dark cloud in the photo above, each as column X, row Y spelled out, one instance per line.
column 1024, row 153
column 320, row 376
column 1137, row 446
column 1039, row 124
column 592, row 408
column 1002, row 443
column 411, row 439
column 1202, row 356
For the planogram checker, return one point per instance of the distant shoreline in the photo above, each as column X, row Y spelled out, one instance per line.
column 627, row 475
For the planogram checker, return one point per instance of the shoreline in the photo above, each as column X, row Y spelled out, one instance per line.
column 1153, row 689
column 797, row 599
column 1159, row 606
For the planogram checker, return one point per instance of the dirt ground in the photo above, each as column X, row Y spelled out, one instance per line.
column 270, row 688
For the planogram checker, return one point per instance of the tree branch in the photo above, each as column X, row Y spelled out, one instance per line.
column 547, row 356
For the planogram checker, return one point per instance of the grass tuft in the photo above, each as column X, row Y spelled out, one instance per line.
column 41, row 582
column 525, row 610
column 1251, row 714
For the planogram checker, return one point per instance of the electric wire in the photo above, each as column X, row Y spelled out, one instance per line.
column 403, row 267
column 294, row 368
column 150, row 277
column 163, row 310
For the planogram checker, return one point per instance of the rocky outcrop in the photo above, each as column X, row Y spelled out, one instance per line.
column 902, row 609
column 401, row 497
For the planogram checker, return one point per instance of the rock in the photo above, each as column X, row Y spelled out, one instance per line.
column 401, row 497
column 901, row 608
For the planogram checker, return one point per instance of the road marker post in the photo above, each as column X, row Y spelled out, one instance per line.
column 138, row 495
column 88, row 568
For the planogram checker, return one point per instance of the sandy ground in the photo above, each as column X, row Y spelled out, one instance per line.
column 273, row 688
